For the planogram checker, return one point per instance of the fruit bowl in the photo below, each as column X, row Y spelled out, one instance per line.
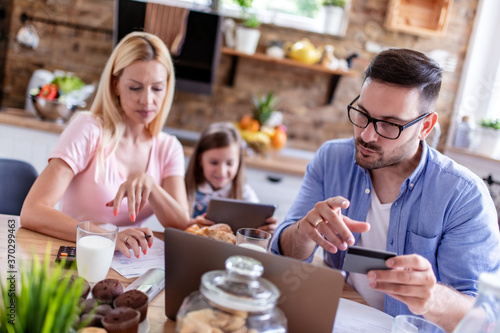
column 52, row 110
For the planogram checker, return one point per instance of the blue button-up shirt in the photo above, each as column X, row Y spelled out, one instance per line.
column 444, row 213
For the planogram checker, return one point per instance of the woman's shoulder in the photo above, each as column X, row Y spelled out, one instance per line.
column 168, row 142
column 84, row 120
column 82, row 125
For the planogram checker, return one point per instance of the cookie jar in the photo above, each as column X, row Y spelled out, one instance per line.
column 235, row 300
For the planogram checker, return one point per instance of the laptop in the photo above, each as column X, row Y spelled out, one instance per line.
column 310, row 294
column 239, row 213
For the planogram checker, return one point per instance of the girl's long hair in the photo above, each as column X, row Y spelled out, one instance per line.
column 217, row 135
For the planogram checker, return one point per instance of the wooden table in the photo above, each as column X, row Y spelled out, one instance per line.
column 29, row 242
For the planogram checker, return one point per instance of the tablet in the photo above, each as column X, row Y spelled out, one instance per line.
column 239, row 213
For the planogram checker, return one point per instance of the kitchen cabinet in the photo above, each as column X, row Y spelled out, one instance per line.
column 27, row 144
column 335, row 74
column 485, row 167
column 481, row 165
column 419, row 17
column 274, row 188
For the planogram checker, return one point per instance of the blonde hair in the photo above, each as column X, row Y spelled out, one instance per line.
column 217, row 135
column 136, row 46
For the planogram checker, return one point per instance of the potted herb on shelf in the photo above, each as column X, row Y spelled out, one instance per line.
column 247, row 34
column 334, row 15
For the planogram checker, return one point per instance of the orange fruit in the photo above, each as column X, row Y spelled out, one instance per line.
column 254, row 125
column 278, row 139
column 246, row 121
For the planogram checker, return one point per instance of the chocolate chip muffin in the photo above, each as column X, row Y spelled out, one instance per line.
column 107, row 290
column 134, row 299
column 122, row 320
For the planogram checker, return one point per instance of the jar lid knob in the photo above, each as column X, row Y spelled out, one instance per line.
column 245, row 266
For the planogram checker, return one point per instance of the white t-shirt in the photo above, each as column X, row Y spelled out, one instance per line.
column 378, row 217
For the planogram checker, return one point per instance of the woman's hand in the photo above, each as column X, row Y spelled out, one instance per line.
column 270, row 226
column 137, row 189
column 134, row 238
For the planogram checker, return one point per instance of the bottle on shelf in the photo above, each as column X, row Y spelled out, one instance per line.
column 463, row 133
column 484, row 316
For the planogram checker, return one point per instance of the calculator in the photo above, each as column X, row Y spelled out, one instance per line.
column 68, row 255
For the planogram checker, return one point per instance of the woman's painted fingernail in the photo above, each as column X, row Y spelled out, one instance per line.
column 145, row 251
column 115, row 212
column 132, row 217
column 137, row 256
column 150, row 245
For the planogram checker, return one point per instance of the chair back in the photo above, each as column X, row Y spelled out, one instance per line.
column 16, row 178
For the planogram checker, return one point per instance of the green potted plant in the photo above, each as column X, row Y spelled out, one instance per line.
column 46, row 300
column 336, row 3
column 247, row 34
column 334, row 16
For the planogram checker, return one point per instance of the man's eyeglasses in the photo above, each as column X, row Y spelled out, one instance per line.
column 383, row 128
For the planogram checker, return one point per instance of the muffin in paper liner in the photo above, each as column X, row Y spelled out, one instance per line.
column 122, row 320
column 105, row 291
column 134, row 299
column 92, row 330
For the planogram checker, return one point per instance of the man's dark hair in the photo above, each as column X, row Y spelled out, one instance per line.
column 411, row 69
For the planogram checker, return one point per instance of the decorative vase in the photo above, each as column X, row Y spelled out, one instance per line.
column 247, row 39
column 333, row 19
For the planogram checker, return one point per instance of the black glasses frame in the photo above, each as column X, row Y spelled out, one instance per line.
column 375, row 121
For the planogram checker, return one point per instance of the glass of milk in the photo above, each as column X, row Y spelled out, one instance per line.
column 254, row 239
column 95, row 246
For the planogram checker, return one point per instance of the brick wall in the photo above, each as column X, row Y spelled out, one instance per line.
column 308, row 116
column 74, row 50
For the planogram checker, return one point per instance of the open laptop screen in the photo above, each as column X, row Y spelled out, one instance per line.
column 309, row 294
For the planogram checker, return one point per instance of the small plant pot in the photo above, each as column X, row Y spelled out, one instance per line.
column 488, row 142
column 247, row 39
column 333, row 19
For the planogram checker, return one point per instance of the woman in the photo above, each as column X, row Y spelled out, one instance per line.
column 117, row 151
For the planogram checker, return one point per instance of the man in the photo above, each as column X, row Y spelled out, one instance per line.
column 435, row 214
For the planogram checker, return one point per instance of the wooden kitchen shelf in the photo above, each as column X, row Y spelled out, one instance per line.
column 335, row 74
column 419, row 17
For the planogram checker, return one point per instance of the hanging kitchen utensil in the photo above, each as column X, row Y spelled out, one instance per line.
column 27, row 35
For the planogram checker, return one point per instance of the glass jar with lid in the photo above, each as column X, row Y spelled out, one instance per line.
column 235, row 300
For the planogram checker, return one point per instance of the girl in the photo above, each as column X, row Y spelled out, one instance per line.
column 216, row 170
column 117, row 151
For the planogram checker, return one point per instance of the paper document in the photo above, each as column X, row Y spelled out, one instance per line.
column 353, row 317
column 133, row 267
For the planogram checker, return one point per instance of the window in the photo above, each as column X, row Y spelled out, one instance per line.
column 305, row 15
column 494, row 105
column 478, row 95
column 480, row 81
